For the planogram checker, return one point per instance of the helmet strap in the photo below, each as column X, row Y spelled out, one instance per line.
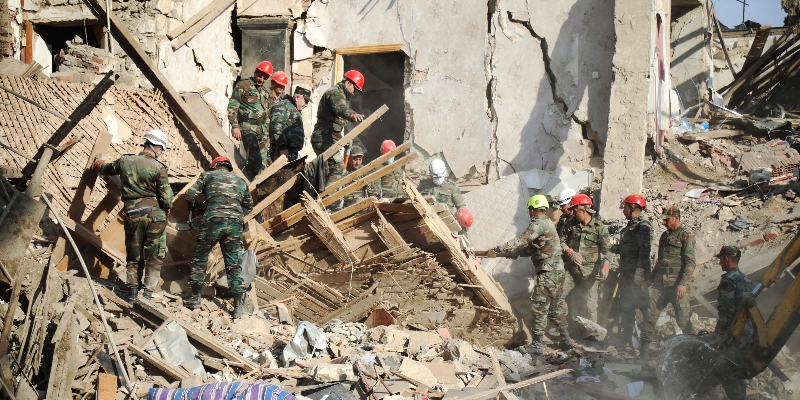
column 158, row 153
column 438, row 180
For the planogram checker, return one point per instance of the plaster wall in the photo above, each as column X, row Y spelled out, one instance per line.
column 688, row 66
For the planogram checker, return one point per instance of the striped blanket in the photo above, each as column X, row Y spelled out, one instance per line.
column 223, row 391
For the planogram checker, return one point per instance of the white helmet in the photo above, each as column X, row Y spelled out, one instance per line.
column 438, row 171
column 565, row 196
column 156, row 137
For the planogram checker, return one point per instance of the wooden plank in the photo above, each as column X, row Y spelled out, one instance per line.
column 739, row 84
column 160, row 363
column 272, row 197
column 762, row 34
column 106, row 387
column 519, row 385
column 702, row 300
column 131, row 46
column 94, row 240
column 364, row 170
column 355, row 132
column 86, row 185
column 720, row 133
column 722, row 42
column 383, row 48
column 388, row 234
column 465, row 267
column 198, row 16
column 218, row 8
column 327, row 231
column 362, row 304
column 263, row 175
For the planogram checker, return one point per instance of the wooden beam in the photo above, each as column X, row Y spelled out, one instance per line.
column 757, row 48
column 464, row 267
column 514, row 386
column 84, row 190
column 388, row 234
column 327, row 232
column 106, row 387
column 263, row 175
column 720, row 133
column 94, row 240
column 383, row 48
column 131, row 46
column 739, row 84
column 219, row 6
column 272, row 197
column 355, row 132
column 211, row 7
column 702, row 300
column 364, row 170
column 160, row 363
column 722, row 42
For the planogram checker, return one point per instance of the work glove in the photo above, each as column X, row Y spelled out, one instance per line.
column 603, row 274
column 575, row 257
column 98, row 161
column 356, row 117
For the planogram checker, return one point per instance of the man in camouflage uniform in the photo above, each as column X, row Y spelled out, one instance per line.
column 670, row 278
column 333, row 113
column 390, row 185
column 542, row 244
column 147, row 199
column 286, row 124
column 227, row 201
column 248, row 113
column 442, row 189
column 634, row 264
column 353, row 165
column 586, row 248
column 734, row 287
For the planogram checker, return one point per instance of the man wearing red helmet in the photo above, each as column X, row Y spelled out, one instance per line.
column 586, row 248
column 390, row 184
column 277, row 87
column 248, row 114
column 333, row 113
column 634, row 264
column 286, row 132
column 227, row 201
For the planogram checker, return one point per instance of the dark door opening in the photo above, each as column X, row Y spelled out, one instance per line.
column 57, row 36
column 384, row 75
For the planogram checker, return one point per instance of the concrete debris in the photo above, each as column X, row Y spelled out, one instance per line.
column 589, row 330
column 324, row 373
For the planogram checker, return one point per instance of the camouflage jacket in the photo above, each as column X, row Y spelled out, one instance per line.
column 732, row 289
column 448, row 193
column 634, row 245
column 371, row 189
column 675, row 265
column 334, row 109
column 593, row 244
column 226, row 195
column 562, row 228
column 540, row 241
column 144, row 181
column 391, row 186
column 286, row 125
column 248, row 107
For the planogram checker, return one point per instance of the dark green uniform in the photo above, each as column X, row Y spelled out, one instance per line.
column 368, row 190
column 592, row 242
column 635, row 266
column 391, row 186
column 227, row 202
column 146, row 195
column 248, row 110
column 542, row 244
column 286, row 128
column 562, row 227
column 447, row 193
column 333, row 113
column 675, row 266
column 732, row 289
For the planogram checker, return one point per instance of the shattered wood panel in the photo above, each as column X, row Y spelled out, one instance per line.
column 329, row 233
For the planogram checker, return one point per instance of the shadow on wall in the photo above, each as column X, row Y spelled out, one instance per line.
column 585, row 44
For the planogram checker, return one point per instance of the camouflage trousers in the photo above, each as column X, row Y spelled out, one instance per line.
column 548, row 301
column 582, row 299
column 659, row 298
column 257, row 147
column 322, row 140
column 228, row 233
column 145, row 246
column 631, row 298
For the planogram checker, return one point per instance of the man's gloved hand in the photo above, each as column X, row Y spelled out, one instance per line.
column 575, row 257
column 491, row 253
column 356, row 117
column 603, row 274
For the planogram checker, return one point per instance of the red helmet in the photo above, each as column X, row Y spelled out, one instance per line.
column 221, row 160
column 636, row 199
column 581, row 200
column 280, row 78
column 387, row 146
column 265, row 67
column 355, row 77
column 464, row 217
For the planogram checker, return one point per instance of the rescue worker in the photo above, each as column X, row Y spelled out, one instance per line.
column 442, row 190
column 227, row 201
column 564, row 198
column 277, row 87
column 333, row 113
column 248, row 114
column 390, row 184
column 734, row 287
column 671, row 276
column 286, row 132
column 354, row 164
column 634, row 264
column 540, row 241
column 586, row 249
column 147, row 199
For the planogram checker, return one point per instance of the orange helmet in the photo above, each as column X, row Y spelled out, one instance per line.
column 221, row 160
column 581, row 200
column 265, row 67
column 636, row 199
column 355, row 77
column 280, row 78
column 464, row 217
column 387, row 146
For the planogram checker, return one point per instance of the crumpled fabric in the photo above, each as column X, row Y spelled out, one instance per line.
column 308, row 340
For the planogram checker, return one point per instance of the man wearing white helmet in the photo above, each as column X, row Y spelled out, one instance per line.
column 442, row 190
column 147, row 199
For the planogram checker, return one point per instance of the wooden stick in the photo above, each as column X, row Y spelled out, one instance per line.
column 355, row 132
column 34, row 103
column 197, row 17
column 273, row 168
column 219, row 7
column 519, row 385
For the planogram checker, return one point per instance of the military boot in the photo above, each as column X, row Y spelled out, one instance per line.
column 644, row 352
column 238, row 305
column 147, row 294
column 193, row 302
column 566, row 341
column 133, row 293
column 536, row 347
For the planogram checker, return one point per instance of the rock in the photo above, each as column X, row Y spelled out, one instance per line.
column 459, row 350
column 331, row 372
column 192, row 381
column 252, row 325
column 693, row 148
column 586, row 329
column 418, row 372
column 725, row 214
column 267, row 357
column 122, row 323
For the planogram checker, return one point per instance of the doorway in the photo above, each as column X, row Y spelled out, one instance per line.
column 384, row 76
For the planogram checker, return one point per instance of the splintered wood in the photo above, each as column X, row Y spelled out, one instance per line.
column 398, row 257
